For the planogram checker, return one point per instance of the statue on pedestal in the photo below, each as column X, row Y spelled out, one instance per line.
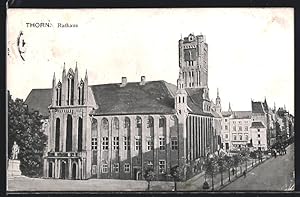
column 14, row 164
column 15, row 151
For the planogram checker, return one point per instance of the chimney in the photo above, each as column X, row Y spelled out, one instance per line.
column 124, row 82
column 143, row 80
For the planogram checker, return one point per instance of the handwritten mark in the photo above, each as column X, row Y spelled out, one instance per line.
column 21, row 45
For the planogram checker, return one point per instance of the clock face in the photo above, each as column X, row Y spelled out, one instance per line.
column 190, row 54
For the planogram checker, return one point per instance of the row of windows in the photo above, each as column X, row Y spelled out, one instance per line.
column 138, row 143
column 116, row 169
column 240, row 122
column 234, row 122
column 150, row 122
column 179, row 99
column 240, row 128
column 240, row 137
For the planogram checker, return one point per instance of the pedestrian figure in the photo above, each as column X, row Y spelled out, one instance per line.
column 232, row 171
column 244, row 173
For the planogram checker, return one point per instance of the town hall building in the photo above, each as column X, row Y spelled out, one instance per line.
column 114, row 131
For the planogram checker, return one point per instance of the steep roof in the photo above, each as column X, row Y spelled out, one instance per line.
column 153, row 97
column 195, row 101
column 257, row 107
column 226, row 113
column 242, row 114
column 39, row 100
column 257, row 125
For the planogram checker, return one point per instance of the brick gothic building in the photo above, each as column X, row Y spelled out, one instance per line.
column 115, row 130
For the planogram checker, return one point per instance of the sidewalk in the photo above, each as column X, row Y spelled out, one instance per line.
column 226, row 181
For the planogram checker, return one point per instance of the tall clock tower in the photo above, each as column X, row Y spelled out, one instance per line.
column 193, row 52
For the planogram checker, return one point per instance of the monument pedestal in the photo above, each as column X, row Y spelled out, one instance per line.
column 13, row 168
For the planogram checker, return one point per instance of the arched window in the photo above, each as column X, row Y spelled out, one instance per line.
column 104, row 124
column 69, row 134
column 150, row 122
column 127, row 123
column 81, row 93
column 116, row 123
column 79, row 134
column 138, row 122
column 182, row 99
column 179, row 100
column 70, row 99
column 58, row 94
column 57, row 133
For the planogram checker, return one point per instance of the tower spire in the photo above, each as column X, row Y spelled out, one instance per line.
column 86, row 75
column 218, row 93
column 229, row 108
column 53, row 81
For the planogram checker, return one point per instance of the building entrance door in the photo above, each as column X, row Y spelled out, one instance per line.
column 63, row 170
column 50, row 170
column 74, row 169
column 137, row 174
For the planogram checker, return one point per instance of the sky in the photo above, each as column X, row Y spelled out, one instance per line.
column 250, row 50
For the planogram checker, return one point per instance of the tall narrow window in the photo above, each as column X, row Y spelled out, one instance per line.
column 126, row 142
column 138, row 143
column 150, row 122
column 94, row 143
column 79, row 94
column 57, row 96
column 82, row 96
column 149, row 144
column 116, row 143
column 79, row 134
column 68, row 99
column 162, row 143
column 174, row 143
column 104, row 143
column 116, row 167
column 138, row 122
column 69, row 134
column 162, row 122
column 57, row 133
column 72, row 91
column 162, row 166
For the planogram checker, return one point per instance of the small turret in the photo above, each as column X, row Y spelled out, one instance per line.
column 53, row 90
column 218, row 102
column 229, row 108
column 53, row 81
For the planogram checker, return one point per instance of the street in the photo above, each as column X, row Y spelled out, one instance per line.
column 276, row 174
